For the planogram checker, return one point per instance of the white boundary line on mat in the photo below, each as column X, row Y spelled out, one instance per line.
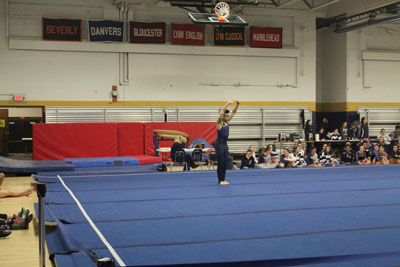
column 103, row 239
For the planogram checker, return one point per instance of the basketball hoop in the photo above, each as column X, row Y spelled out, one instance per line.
column 222, row 11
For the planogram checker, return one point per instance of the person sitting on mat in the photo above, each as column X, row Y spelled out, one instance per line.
column 320, row 150
column 264, row 156
column 179, row 145
column 362, row 157
column 252, row 148
column 375, row 155
column 300, row 146
column 248, row 161
column 11, row 193
column 395, row 155
column 326, row 158
column 347, row 156
column 312, row 158
column 384, row 156
column 221, row 146
column 381, row 142
column 298, row 154
column 287, row 159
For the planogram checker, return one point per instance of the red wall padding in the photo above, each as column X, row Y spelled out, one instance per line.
column 206, row 130
column 83, row 140
column 130, row 138
column 74, row 140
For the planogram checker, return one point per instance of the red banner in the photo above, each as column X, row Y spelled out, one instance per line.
column 61, row 29
column 187, row 34
column 266, row 37
column 142, row 32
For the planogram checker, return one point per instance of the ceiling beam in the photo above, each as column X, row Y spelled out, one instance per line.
column 308, row 4
column 287, row 3
column 325, row 4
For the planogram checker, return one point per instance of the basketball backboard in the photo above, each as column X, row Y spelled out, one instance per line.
column 206, row 18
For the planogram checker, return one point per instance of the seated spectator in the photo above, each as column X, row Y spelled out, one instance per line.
column 362, row 157
column 387, row 139
column 179, row 145
column 336, row 135
column 274, row 160
column 384, row 157
column 248, row 161
column 366, row 144
column 381, row 142
column 322, row 134
column 300, row 146
column 287, row 159
column 253, row 152
column 395, row 155
column 298, row 154
column 322, row 149
column 364, row 131
column 308, row 134
column 343, row 131
column 353, row 132
column 262, row 156
column 312, row 158
column 326, row 158
column 347, row 156
column 375, row 155
column 265, row 159
column 396, row 136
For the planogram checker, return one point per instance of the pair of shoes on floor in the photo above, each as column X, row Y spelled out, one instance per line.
column 22, row 223
column 223, row 183
column 4, row 233
column 23, row 213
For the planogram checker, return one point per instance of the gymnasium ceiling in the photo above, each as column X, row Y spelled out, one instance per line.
column 345, row 15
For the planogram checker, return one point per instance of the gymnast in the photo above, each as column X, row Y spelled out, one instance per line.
column 221, row 145
column 8, row 193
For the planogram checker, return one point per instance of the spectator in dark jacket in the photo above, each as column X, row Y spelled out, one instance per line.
column 322, row 134
column 287, row 160
column 375, row 155
column 344, row 131
column 308, row 134
column 353, row 132
column 248, row 161
column 312, row 158
column 395, row 155
column 362, row 157
column 384, row 156
column 396, row 136
column 347, row 156
column 381, row 142
column 364, row 131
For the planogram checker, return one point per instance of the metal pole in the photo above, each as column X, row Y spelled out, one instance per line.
column 41, row 193
column 263, row 127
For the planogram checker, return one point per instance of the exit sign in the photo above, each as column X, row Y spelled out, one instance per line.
column 18, row 98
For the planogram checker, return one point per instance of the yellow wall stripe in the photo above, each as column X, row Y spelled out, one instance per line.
column 163, row 104
column 320, row 107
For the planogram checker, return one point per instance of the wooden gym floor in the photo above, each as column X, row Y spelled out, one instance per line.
column 21, row 248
